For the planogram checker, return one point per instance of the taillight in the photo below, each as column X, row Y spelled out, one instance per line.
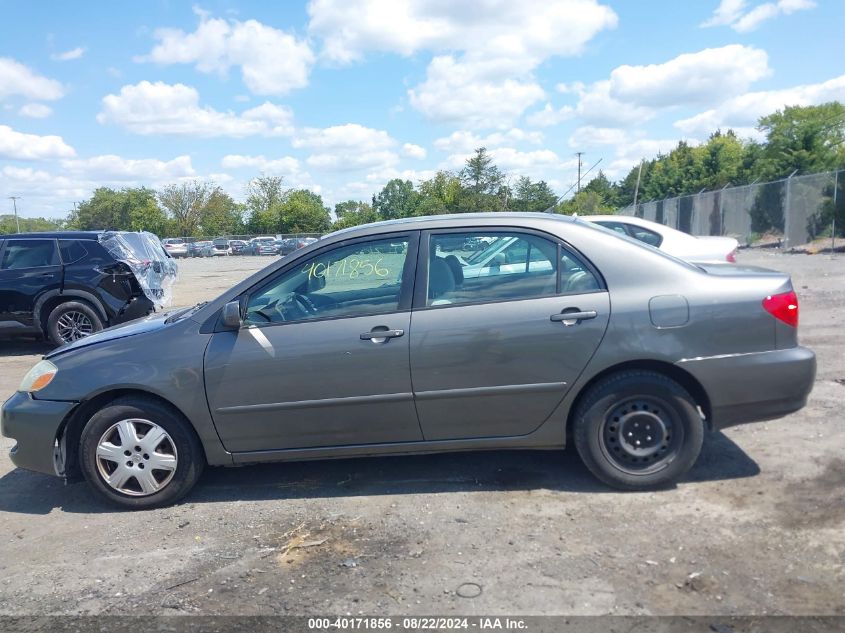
column 783, row 307
column 731, row 257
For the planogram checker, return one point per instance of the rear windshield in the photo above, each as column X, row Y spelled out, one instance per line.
column 631, row 240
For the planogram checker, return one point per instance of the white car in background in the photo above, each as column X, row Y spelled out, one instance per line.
column 175, row 246
column 692, row 248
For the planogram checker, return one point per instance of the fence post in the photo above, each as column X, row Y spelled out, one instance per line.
column 833, row 215
column 787, row 224
column 722, row 209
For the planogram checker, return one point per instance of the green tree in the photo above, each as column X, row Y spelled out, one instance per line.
column 439, row 195
column 397, row 199
column 303, row 211
column 128, row 209
column 483, row 184
column 265, row 195
column 353, row 213
column 584, row 203
column 532, row 196
column 185, row 203
column 8, row 224
column 221, row 215
column 809, row 139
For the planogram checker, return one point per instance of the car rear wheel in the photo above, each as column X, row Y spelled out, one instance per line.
column 71, row 321
column 638, row 430
column 138, row 453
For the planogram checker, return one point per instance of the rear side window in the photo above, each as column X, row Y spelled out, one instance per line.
column 29, row 254
column 72, row 251
column 651, row 238
column 487, row 267
column 478, row 267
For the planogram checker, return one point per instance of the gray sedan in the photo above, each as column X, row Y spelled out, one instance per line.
column 384, row 340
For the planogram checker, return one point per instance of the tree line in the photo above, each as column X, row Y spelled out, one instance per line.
column 807, row 139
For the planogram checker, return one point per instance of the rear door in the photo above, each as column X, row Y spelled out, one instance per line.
column 28, row 268
column 492, row 355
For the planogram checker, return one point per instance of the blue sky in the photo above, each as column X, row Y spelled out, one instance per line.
column 341, row 95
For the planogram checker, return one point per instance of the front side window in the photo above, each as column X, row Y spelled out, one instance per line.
column 355, row 280
column 29, row 254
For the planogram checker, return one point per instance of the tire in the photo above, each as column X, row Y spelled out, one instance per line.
column 638, row 430
column 135, row 485
column 72, row 320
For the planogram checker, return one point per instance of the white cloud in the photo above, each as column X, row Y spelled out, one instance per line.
column 743, row 111
column 534, row 29
column 486, row 52
column 35, row 110
column 735, row 13
column 409, row 150
column 160, row 108
column 464, row 141
column 21, row 146
column 635, row 94
column 74, row 53
column 692, row 78
column 589, row 136
column 347, row 147
column 286, row 165
column 18, row 80
column 271, row 61
column 113, row 168
column 474, row 94
column 549, row 116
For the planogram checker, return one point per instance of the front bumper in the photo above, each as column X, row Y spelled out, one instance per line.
column 34, row 424
column 754, row 387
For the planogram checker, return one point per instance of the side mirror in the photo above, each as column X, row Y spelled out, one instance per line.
column 232, row 314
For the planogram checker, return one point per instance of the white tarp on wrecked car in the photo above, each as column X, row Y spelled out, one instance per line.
column 153, row 267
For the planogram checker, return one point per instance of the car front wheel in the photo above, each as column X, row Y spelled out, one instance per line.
column 139, row 453
column 638, row 430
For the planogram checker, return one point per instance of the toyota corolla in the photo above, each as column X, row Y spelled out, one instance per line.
column 388, row 339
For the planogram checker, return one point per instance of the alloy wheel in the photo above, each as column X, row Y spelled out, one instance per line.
column 73, row 325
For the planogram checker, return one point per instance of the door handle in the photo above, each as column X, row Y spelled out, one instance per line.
column 375, row 335
column 574, row 316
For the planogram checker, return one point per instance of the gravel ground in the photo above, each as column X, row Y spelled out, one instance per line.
column 756, row 528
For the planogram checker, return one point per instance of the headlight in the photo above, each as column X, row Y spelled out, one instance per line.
column 38, row 377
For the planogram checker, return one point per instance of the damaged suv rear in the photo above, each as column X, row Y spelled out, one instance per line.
column 67, row 285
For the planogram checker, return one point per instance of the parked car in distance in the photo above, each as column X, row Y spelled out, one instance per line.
column 620, row 349
column 262, row 246
column 175, row 246
column 200, row 248
column 291, row 244
column 693, row 248
column 238, row 247
column 220, row 246
column 67, row 285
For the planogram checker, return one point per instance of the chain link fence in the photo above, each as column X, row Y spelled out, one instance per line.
column 796, row 213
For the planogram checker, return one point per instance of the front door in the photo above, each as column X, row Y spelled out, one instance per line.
column 491, row 353
column 322, row 358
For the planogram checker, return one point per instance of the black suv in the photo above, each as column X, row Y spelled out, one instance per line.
column 66, row 285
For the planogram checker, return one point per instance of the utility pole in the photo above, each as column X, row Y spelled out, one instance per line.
column 637, row 188
column 14, row 200
column 579, row 154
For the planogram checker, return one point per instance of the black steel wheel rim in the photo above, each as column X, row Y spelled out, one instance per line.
column 641, row 435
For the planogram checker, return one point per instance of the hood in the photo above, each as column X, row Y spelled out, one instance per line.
column 139, row 326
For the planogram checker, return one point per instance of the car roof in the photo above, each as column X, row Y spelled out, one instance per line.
column 439, row 221
column 61, row 235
